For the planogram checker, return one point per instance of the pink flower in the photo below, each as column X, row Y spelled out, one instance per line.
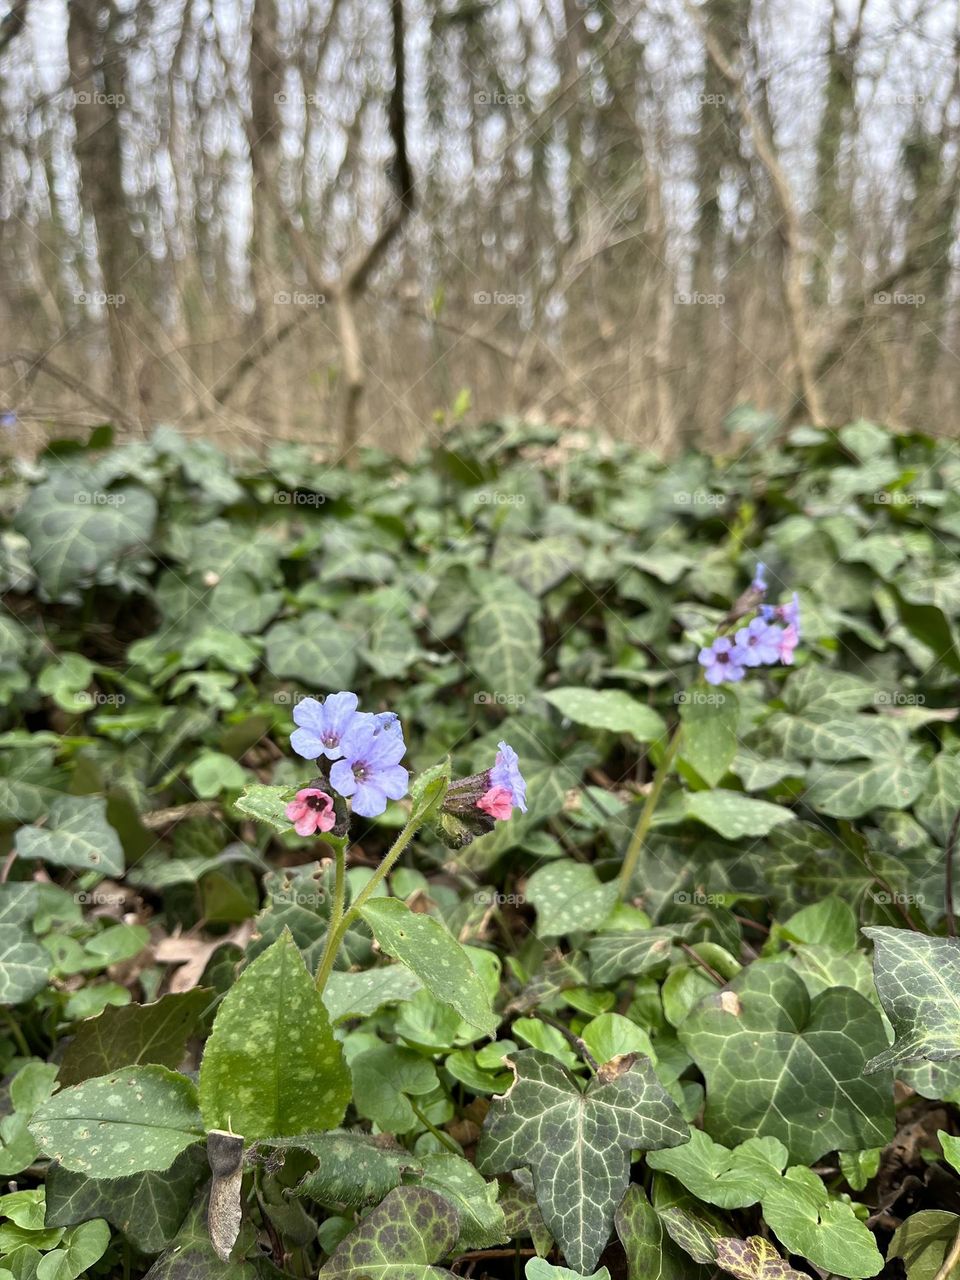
column 311, row 811
column 498, row 802
column 789, row 639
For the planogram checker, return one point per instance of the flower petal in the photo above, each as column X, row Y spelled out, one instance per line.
column 306, row 743
column 342, row 779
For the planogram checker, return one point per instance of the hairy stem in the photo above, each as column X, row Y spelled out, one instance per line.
column 634, row 848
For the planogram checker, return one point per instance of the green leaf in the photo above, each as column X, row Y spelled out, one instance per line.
column 190, row 1255
column 352, row 1168
column 541, row 1269
column 617, row 955
column 134, row 1034
column 778, row 1063
column 482, row 1223
column 383, row 1077
column 428, row 948
column 538, row 564
column 428, row 791
column 826, row 1231
column 271, row 1066
column 76, row 834
column 503, row 637
column 80, row 1248
column 728, row 1179
column 66, row 681
column 213, row 772
column 609, row 709
column 24, row 965
column 651, row 1254
column 850, row 791
column 569, row 898
column 577, row 1143
column 266, row 804
column 133, row 1120
column 147, row 1207
column 361, row 995
column 399, row 1240
column 709, row 732
column 734, row 815
column 314, row 649
column 923, row 1241
column 918, row 982
column 76, row 538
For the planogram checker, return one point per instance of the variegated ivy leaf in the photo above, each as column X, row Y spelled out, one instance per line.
column 577, row 1142
column 617, row 955
column 849, row 791
column 918, row 981
column 271, row 1066
column 409, row 1230
column 754, row 1259
column 778, row 1063
column 651, row 1254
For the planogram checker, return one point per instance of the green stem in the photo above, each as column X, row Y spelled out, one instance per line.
column 336, row 933
column 336, row 912
column 443, row 1138
column 17, row 1034
column 635, row 847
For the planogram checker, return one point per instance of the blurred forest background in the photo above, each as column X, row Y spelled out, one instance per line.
column 331, row 219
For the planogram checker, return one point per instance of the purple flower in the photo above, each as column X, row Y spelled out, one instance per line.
column 790, row 613
column 370, row 772
column 724, row 660
column 506, row 773
column 759, row 643
column 323, row 725
column 759, row 582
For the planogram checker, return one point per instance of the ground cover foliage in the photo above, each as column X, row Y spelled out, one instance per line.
column 677, row 999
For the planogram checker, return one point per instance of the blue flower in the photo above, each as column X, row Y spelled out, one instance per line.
column 370, row 772
column 723, row 660
column 759, row 643
column 323, row 725
column 506, row 773
column 759, row 582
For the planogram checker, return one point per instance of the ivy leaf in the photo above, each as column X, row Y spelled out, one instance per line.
column 778, row 1063
column 709, row 732
column 131, row 1121
column 541, row 1269
column 538, row 564
column 826, row 1231
column 147, row 1207
column 315, row 649
column 133, row 1034
column 569, row 898
column 399, row 1240
column 609, row 709
column 618, row 955
column 76, row 834
column 428, row 948
column 923, row 1241
column 728, row 1179
column 191, row 1256
column 651, row 1254
column 918, row 982
column 24, row 965
column 850, row 791
column 754, row 1259
column 577, row 1143
column 271, row 1066
column 503, row 636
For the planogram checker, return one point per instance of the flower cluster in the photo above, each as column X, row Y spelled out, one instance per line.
column 474, row 804
column 769, row 638
column 362, row 752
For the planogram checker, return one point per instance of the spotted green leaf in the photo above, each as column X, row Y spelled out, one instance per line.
column 568, row 897
column 131, row 1121
column 428, row 948
column 709, row 732
column 734, row 815
column 609, row 709
column 577, row 1143
column 361, row 995
column 266, row 804
column 271, row 1066
column 412, row 1228
column 778, row 1063
column 76, row 834
column 918, row 982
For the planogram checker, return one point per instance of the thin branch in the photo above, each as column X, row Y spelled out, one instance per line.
column 37, row 360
